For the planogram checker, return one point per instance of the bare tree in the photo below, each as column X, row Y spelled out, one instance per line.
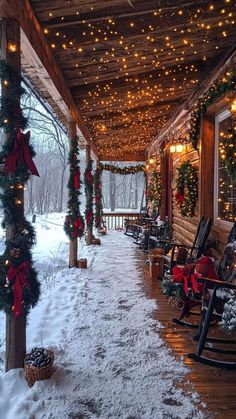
column 46, row 193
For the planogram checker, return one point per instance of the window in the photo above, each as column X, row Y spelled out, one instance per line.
column 225, row 185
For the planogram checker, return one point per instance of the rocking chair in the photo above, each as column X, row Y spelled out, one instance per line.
column 222, row 272
column 194, row 251
column 226, row 270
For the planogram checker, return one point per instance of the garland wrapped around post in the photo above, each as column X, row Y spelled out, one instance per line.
column 74, row 222
column 88, row 181
column 226, row 83
column 187, row 189
column 227, row 148
column 122, row 170
column 154, row 190
column 19, row 286
column 98, row 197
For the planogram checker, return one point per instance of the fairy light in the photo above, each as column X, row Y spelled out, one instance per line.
column 121, row 55
column 12, row 47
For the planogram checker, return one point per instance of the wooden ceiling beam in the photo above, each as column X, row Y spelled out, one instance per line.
column 144, row 8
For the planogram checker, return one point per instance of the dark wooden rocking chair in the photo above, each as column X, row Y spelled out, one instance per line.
column 194, row 251
column 221, row 272
column 159, row 235
column 225, row 270
column 132, row 224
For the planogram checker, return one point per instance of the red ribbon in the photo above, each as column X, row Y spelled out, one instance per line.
column 21, row 155
column 19, row 275
column 76, row 180
column 89, row 217
column 89, row 177
column 180, row 197
column 181, row 276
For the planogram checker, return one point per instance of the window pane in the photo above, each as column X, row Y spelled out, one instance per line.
column 226, row 183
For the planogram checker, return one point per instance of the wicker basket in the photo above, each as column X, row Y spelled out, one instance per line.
column 82, row 263
column 33, row 374
column 96, row 241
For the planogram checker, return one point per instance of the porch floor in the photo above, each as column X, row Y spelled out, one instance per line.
column 215, row 386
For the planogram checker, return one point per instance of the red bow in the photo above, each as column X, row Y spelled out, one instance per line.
column 188, row 279
column 181, row 276
column 180, row 197
column 19, row 274
column 21, row 155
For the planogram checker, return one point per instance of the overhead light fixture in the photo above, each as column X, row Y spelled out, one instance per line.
column 179, row 148
column 233, row 107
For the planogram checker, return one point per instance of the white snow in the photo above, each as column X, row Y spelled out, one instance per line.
column 110, row 360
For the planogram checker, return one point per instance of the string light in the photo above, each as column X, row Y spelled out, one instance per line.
column 120, row 64
column 12, row 47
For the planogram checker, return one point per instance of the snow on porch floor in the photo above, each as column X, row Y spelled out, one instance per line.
column 111, row 361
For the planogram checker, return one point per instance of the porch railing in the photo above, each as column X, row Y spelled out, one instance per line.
column 116, row 220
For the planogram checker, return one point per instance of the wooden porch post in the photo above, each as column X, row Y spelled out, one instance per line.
column 88, row 198
column 73, row 242
column 166, row 178
column 15, row 329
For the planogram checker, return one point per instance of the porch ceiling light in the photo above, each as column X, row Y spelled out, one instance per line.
column 179, row 148
column 233, row 107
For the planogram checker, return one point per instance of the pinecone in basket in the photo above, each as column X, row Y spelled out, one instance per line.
column 38, row 357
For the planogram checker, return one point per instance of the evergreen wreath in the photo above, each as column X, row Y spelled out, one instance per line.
column 98, row 197
column 74, row 222
column 227, row 148
column 154, row 191
column 19, row 285
column 122, row 170
column 89, row 184
column 187, row 189
column 219, row 88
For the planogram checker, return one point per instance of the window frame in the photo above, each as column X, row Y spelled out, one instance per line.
column 221, row 116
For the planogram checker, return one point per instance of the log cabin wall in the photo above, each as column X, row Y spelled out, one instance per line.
column 184, row 228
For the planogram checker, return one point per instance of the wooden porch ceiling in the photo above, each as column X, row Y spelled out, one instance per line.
column 130, row 64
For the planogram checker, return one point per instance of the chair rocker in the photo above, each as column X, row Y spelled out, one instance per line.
column 226, row 271
column 203, row 338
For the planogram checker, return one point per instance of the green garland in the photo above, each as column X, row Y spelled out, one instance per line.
column 228, row 322
column 98, row 197
column 154, row 190
column 227, row 148
column 74, row 222
column 219, row 88
column 18, row 249
column 122, row 170
column 187, row 189
column 89, row 184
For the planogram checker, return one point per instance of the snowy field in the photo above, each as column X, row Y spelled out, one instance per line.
column 110, row 360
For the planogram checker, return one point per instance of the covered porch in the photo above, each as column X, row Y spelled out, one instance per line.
column 140, row 86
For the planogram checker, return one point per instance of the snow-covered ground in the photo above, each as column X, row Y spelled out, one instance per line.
column 110, row 360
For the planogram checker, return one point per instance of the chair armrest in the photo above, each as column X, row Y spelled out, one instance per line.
column 217, row 283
